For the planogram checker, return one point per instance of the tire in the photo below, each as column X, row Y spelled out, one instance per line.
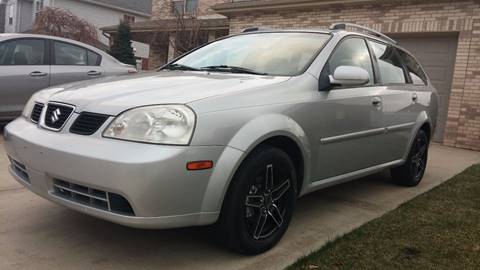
column 256, row 212
column 411, row 172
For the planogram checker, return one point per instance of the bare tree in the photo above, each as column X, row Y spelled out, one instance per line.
column 182, row 32
column 188, row 33
column 62, row 23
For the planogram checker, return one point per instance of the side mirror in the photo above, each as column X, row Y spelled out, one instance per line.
column 349, row 76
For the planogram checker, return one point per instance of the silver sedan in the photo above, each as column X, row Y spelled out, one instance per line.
column 29, row 63
column 229, row 134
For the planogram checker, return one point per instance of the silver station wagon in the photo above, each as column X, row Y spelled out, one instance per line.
column 231, row 133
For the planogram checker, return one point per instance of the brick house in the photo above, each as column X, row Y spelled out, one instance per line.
column 160, row 30
column 444, row 35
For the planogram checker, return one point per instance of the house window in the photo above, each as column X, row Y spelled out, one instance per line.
column 128, row 19
column 184, row 6
column 38, row 6
column 11, row 10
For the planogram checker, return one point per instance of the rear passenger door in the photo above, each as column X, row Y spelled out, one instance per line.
column 398, row 100
column 24, row 69
column 347, row 120
column 73, row 63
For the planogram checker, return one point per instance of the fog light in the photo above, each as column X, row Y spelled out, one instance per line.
column 199, row 165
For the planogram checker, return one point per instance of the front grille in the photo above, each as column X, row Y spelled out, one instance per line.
column 20, row 170
column 57, row 115
column 92, row 197
column 36, row 112
column 88, row 123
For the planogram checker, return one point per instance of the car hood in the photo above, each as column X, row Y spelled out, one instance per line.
column 113, row 95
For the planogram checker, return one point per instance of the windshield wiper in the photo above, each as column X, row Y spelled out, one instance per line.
column 175, row 66
column 232, row 69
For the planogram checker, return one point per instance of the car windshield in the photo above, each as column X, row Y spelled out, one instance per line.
column 279, row 54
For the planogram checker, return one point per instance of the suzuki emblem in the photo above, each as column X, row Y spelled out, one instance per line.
column 55, row 116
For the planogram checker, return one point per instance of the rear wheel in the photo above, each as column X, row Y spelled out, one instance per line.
column 260, row 201
column 411, row 173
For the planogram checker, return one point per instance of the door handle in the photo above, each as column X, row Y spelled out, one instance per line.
column 94, row 73
column 38, row 74
column 376, row 101
column 414, row 97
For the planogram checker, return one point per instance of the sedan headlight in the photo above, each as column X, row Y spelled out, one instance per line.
column 27, row 110
column 162, row 124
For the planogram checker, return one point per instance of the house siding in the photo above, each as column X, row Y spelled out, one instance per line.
column 394, row 17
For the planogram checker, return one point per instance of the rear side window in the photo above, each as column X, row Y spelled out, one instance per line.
column 68, row 54
column 22, row 52
column 94, row 59
column 351, row 52
column 389, row 63
column 414, row 69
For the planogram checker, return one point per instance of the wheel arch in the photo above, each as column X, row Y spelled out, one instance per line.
column 423, row 122
column 276, row 130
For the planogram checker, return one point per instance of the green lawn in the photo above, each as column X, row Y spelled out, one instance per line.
column 437, row 230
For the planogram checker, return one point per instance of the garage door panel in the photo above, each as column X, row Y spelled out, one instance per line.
column 433, row 60
column 436, row 54
column 443, row 104
column 438, row 75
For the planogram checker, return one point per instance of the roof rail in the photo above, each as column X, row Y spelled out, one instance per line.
column 344, row 25
column 256, row 28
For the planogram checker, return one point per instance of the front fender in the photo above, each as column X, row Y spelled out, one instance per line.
column 242, row 143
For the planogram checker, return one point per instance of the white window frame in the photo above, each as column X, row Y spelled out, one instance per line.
column 39, row 4
column 184, row 6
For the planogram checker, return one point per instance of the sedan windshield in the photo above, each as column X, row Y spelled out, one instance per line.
column 279, row 54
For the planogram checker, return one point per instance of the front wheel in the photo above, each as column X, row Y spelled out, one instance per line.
column 411, row 173
column 260, row 201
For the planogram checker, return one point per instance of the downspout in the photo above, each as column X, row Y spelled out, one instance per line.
column 108, row 37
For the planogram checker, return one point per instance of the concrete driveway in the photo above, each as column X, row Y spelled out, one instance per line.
column 37, row 234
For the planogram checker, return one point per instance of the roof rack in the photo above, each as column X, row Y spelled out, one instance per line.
column 344, row 25
column 256, row 28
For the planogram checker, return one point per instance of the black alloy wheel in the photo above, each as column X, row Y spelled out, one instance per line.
column 260, row 201
column 412, row 171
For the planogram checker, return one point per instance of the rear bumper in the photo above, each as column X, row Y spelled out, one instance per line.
column 152, row 178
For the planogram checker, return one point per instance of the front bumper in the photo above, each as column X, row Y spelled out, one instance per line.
column 152, row 178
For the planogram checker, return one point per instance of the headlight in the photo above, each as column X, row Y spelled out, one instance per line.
column 27, row 110
column 162, row 124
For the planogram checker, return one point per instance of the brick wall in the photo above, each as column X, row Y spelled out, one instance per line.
column 162, row 9
column 462, row 17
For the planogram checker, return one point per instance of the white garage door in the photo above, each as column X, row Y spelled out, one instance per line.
column 436, row 53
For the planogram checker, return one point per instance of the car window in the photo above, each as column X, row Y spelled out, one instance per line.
column 93, row 59
column 22, row 52
column 68, row 54
column 351, row 52
column 282, row 54
column 389, row 63
column 414, row 69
